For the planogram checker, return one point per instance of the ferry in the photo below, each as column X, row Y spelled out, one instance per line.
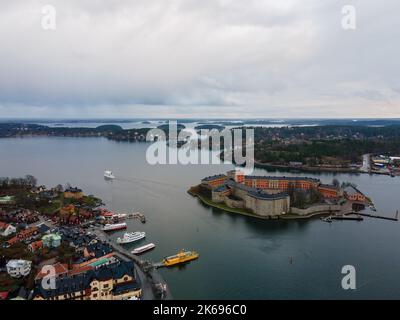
column 115, row 227
column 180, row 257
column 108, row 175
column 144, row 248
column 131, row 237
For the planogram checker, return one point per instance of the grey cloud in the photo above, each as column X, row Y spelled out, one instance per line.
column 273, row 58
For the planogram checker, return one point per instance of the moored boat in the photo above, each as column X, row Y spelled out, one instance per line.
column 115, row 226
column 144, row 248
column 131, row 237
column 180, row 257
column 119, row 216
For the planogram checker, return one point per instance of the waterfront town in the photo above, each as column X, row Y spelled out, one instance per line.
column 57, row 235
column 282, row 197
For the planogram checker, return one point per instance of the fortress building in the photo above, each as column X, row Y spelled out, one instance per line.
column 262, row 195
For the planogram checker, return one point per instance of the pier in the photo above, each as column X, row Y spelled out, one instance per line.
column 370, row 215
column 396, row 218
column 154, row 286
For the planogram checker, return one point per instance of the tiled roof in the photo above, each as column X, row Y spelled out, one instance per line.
column 126, row 287
column 59, row 268
column 3, row 225
column 282, row 178
column 217, row 176
column 73, row 190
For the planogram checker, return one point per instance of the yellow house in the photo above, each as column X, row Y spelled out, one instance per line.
column 73, row 193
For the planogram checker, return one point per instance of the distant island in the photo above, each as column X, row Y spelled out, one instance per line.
column 335, row 148
column 112, row 132
column 210, row 127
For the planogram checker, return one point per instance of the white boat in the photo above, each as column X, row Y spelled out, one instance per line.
column 131, row 237
column 115, row 227
column 119, row 216
column 108, row 175
column 144, row 248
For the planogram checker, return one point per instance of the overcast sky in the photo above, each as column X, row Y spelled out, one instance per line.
column 200, row 58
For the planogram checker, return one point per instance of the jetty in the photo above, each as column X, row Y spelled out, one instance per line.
column 396, row 218
column 351, row 218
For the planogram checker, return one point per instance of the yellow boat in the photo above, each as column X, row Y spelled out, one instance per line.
column 180, row 257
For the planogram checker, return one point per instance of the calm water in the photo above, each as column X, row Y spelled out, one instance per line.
column 240, row 257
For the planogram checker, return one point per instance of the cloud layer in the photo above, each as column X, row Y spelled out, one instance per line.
column 206, row 58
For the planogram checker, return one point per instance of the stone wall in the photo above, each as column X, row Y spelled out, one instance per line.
column 319, row 208
column 268, row 207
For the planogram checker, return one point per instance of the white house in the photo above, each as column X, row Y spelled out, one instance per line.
column 6, row 229
column 18, row 268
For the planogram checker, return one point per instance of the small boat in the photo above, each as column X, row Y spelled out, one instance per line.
column 139, row 216
column 115, row 226
column 144, row 248
column 108, row 175
column 119, row 216
column 327, row 219
column 180, row 257
column 131, row 237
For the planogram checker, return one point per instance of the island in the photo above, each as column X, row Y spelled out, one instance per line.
column 272, row 197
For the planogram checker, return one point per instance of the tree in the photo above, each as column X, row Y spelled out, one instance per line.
column 336, row 183
column 30, row 180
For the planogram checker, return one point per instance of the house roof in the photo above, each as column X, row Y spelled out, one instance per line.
column 59, row 268
column 73, row 190
column 126, row 287
column 36, row 245
column 3, row 225
column 4, row 295
column 65, row 285
column 18, row 263
column 350, row 190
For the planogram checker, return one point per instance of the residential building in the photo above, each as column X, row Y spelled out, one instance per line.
column 24, row 235
column 18, row 268
column 51, row 240
column 35, row 246
column 73, row 193
column 7, row 200
column 353, row 194
column 6, row 229
column 113, row 282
